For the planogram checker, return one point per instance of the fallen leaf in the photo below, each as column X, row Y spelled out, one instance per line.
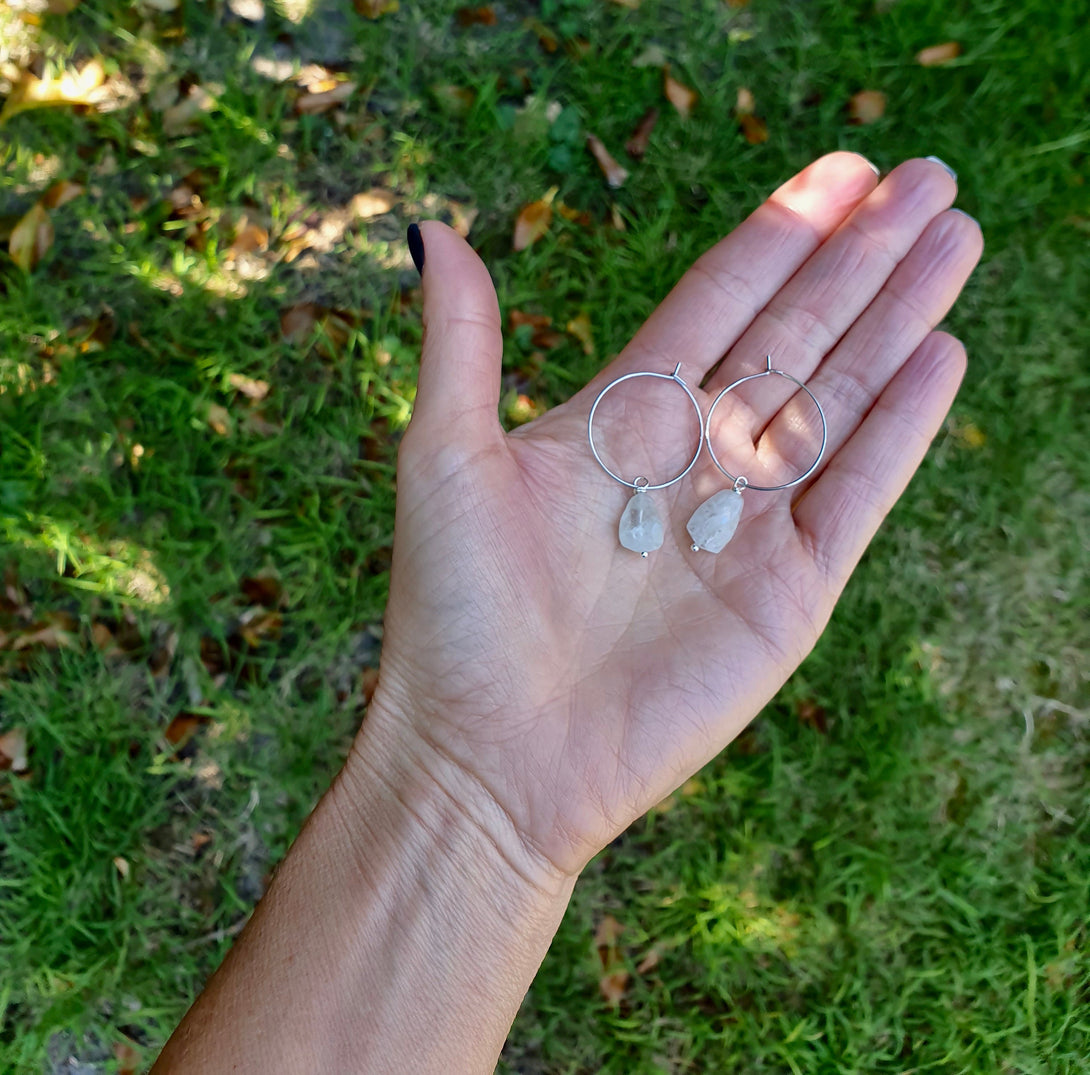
column 812, row 715
column 199, row 841
column 616, row 218
column 375, row 9
column 533, row 221
column 372, row 203
column 13, row 754
column 297, row 323
column 576, row 216
column 368, row 684
column 61, row 194
column 249, row 238
column 311, row 104
column 181, row 116
column 485, row 15
column 68, row 88
column 31, row 238
column 934, row 55
column 579, row 327
column 129, row 1059
column 183, row 727
column 649, row 961
column 607, row 933
column 637, row 145
column 745, row 102
column 612, row 986
column 248, row 386
column 754, row 129
column 219, row 419
column 256, row 625
column 866, row 106
column 680, row 96
column 122, row 866
column 56, row 631
column 462, row 218
column 615, row 174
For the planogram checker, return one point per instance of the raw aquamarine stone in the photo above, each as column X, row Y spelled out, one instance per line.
column 714, row 522
column 641, row 528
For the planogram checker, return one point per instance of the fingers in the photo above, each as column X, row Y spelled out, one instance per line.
column 837, row 516
column 459, row 383
column 804, row 321
column 710, row 307
column 913, row 300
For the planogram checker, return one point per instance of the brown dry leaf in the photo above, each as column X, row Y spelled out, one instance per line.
column 372, row 203
column 56, row 631
column 199, row 841
column 183, row 727
column 754, row 129
column 533, row 221
column 68, row 88
column 607, row 933
column 249, row 238
column 102, row 638
column 812, row 715
column 297, row 323
column 485, row 15
column 934, row 55
column 746, row 103
column 637, row 145
column 258, row 624
column 13, row 754
column 616, row 218
column 219, row 419
column 311, row 104
column 264, row 590
column 368, row 684
column 579, row 327
column 612, row 986
column 576, row 216
column 649, row 961
column 866, row 106
column 181, row 116
column 31, row 238
column 122, row 866
column 61, row 194
column 375, row 9
column 454, row 100
column 128, row 1057
column 679, row 95
column 518, row 318
column 249, row 387
column 615, row 174
column 462, row 218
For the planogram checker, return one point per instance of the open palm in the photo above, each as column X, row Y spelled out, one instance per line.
column 556, row 684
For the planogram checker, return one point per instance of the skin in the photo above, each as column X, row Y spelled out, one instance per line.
column 541, row 687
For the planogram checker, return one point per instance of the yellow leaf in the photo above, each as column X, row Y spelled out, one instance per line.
column 533, row 221
column 679, row 95
column 68, row 88
column 746, row 104
column 754, row 129
column 579, row 327
column 121, row 864
column 934, row 55
column 866, row 106
column 31, row 238
column 61, row 194
column 13, row 750
column 312, row 103
column 375, row 9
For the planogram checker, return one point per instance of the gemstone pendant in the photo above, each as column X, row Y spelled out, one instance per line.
column 641, row 528
column 713, row 524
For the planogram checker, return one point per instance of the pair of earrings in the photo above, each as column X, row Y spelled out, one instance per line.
column 713, row 524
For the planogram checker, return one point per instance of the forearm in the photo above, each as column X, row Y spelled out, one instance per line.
column 395, row 937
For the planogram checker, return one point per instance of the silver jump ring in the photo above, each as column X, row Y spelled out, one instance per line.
column 642, row 484
column 738, row 478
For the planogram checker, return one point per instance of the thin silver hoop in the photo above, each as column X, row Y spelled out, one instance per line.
column 740, row 482
column 642, row 484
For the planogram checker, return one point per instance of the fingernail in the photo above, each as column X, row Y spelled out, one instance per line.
column 942, row 164
column 961, row 212
column 416, row 247
column 873, row 167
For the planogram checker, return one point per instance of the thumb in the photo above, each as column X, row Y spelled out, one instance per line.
column 459, row 383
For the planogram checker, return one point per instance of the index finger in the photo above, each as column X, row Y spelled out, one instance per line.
column 728, row 285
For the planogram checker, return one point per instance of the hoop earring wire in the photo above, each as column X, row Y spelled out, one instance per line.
column 640, row 528
column 713, row 524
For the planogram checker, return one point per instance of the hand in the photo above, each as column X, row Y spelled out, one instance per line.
column 555, row 685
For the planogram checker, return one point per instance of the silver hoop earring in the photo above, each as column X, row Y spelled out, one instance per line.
column 640, row 528
column 713, row 524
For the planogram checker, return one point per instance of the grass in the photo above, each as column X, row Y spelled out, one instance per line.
column 887, row 873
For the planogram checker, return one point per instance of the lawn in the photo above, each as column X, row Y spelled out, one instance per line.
column 209, row 325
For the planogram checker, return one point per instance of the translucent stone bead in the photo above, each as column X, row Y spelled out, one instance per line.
column 641, row 528
column 713, row 524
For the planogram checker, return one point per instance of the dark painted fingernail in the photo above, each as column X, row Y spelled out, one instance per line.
column 942, row 164
column 416, row 247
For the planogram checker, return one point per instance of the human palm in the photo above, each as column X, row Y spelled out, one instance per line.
column 556, row 684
